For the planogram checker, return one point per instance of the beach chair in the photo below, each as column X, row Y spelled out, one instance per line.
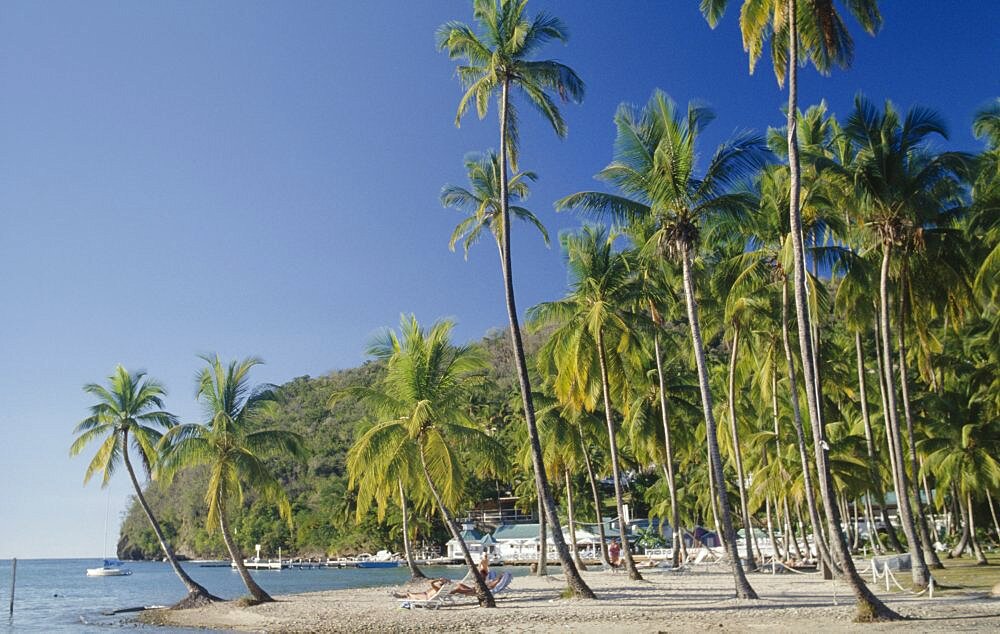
column 432, row 601
column 502, row 584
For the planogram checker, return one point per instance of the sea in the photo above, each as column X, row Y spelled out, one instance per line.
column 55, row 595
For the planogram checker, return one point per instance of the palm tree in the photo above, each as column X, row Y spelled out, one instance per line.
column 654, row 168
column 235, row 447
column 128, row 417
column 596, row 311
column 378, row 482
column 482, row 204
column 825, row 41
column 906, row 195
column 985, row 216
column 498, row 60
column 423, row 419
column 814, row 31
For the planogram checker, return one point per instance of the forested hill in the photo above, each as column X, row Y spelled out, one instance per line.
column 324, row 521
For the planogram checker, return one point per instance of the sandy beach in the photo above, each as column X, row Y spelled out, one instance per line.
column 664, row 601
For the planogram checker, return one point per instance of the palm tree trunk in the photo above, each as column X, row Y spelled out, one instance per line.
column 483, row 593
column 743, row 588
column 713, row 498
column 197, row 594
column 633, row 572
column 415, row 572
column 869, row 607
column 920, row 513
column 256, row 592
column 890, row 529
column 597, row 502
column 958, row 511
column 669, row 458
column 993, row 514
column 740, row 476
column 873, row 471
column 921, row 575
column 776, row 552
column 543, row 544
column 800, row 436
column 573, row 578
column 976, row 549
column 572, row 523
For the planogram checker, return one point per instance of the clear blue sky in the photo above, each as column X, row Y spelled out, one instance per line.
column 262, row 178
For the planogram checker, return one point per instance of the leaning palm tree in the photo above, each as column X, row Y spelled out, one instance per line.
column 654, row 169
column 129, row 416
column 424, row 422
column 499, row 60
column 595, row 321
column 235, row 447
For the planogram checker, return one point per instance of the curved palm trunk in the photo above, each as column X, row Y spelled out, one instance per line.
column 543, row 545
column 415, row 572
column 668, row 466
column 921, row 575
column 740, row 476
column 197, row 594
column 873, row 472
column 976, row 549
column 483, row 593
column 597, row 503
column 572, row 523
column 993, row 514
column 743, row 588
column 800, row 436
column 258, row 594
column 869, row 607
column 633, row 572
column 573, row 578
column 920, row 513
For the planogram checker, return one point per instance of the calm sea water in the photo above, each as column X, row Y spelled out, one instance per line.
column 55, row 595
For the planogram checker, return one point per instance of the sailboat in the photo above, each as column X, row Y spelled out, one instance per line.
column 111, row 567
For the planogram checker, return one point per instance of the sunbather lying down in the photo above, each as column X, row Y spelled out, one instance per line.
column 437, row 584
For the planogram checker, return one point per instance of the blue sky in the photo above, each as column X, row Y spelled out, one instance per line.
column 262, row 178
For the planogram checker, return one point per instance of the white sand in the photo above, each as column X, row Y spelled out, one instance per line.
column 664, row 601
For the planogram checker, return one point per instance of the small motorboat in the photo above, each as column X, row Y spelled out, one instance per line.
column 111, row 568
column 371, row 563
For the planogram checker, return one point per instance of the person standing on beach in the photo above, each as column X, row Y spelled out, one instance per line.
column 614, row 553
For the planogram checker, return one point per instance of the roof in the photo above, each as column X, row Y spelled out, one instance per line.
column 517, row 531
column 474, row 535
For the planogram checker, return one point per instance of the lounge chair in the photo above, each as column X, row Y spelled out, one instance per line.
column 432, row 601
column 502, row 584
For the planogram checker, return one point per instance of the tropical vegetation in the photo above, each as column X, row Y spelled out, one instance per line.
column 796, row 332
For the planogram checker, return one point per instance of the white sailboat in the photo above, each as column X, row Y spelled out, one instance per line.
column 111, row 567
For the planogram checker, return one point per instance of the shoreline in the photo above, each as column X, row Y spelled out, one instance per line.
column 664, row 601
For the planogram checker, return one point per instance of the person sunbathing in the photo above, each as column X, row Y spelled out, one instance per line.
column 437, row 584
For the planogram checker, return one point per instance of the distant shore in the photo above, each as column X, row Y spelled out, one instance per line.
column 664, row 601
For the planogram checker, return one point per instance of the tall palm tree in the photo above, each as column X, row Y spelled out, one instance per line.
column 799, row 30
column 906, row 195
column 499, row 60
column 654, row 168
column 482, row 204
column 423, row 419
column 812, row 30
column 235, row 446
column 596, row 312
column 129, row 417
